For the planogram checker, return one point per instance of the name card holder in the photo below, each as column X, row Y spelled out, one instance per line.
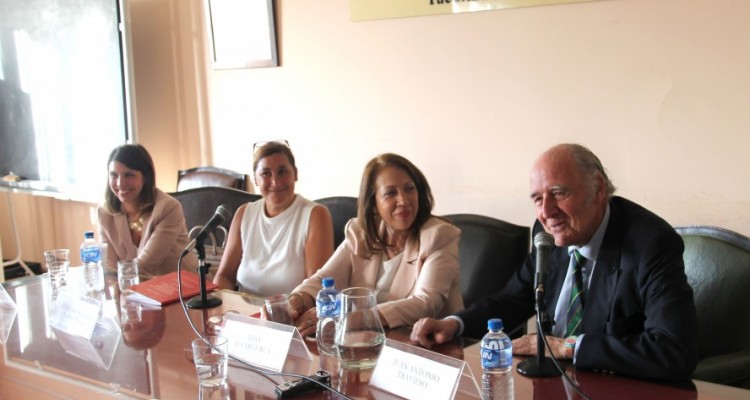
column 413, row 372
column 75, row 315
column 100, row 349
column 7, row 314
column 265, row 344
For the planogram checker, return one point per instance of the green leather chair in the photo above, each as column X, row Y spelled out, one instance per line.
column 342, row 209
column 717, row 265
column 210, row 176
column 489, row 252
column 199, row 205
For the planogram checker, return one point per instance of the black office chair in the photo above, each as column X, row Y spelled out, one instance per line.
column 210, row 176
column 200, row 204
column 489, row 252
column 717, row 265
column 342, row 209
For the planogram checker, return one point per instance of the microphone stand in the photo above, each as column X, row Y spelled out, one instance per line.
column 539, row 366
column 204, row 301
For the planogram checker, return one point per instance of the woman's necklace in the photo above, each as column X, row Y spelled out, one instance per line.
column 394, row 248
column 136, row 224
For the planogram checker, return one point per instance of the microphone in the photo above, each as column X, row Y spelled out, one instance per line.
column 540, row 366
column 543, row 243
column 222, row 214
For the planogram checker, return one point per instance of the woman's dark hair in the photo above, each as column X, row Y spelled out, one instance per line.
column 367, row 216
column 135, row 157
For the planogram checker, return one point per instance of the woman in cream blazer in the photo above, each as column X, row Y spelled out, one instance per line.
column 139, row 221
column 394, row 245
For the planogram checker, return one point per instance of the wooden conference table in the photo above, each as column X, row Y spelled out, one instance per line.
column 149, row 360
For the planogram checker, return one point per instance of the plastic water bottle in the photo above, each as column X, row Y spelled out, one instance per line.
column 497, row 360
column 91, row 255
column 328, row 305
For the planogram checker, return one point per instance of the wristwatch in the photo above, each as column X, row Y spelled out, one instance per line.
column 570, row 346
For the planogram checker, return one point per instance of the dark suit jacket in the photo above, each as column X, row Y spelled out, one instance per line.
column 640, row 316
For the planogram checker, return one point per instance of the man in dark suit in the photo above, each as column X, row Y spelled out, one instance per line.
column 638, row 314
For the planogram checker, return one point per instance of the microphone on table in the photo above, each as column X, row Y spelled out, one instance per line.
column 204, row 301
column 540, row 365
column 543, row 243
column 222, row 214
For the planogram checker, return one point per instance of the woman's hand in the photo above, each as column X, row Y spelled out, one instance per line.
column 305, row 317
column 307, row 322
column 297, row 304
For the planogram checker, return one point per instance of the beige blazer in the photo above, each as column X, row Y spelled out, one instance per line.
column 163, row 240
column 426, row 283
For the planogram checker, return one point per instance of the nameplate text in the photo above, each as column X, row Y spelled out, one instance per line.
column 409, row 375
column 258, row 345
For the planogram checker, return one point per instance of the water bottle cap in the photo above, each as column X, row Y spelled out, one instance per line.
column 328, row 282
column 495, row 324
column 88, row 235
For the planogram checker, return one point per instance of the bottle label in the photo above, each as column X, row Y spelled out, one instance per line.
column 328, row 307
column 91, row 254
column 495, row 357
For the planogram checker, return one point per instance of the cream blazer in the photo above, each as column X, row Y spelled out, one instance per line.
column 426, row 283
column 164, row 238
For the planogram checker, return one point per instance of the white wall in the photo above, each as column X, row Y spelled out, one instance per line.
column 659, row 89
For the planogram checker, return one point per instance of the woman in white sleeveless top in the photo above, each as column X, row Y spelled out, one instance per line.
column 278, row 241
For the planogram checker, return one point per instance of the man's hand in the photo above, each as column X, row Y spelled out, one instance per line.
column 526, row 346
column 429, row 331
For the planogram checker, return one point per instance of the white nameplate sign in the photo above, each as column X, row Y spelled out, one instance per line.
column 100, row 349
column 264, row 344
column 7, row 314
column 5, row 300
column 75, row 315
column 402, row 371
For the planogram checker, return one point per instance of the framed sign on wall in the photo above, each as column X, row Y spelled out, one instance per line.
column 242, row 33
column 363, row 10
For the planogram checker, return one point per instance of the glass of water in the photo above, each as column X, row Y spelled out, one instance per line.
column 127, row 275
column 211, row 356
column 57, row 262
column 279, row 310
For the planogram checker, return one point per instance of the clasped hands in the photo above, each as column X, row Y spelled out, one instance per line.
column 429, row 331
column 305, row 315
column 305, row 318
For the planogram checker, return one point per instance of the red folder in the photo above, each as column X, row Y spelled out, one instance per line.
column 162, row 290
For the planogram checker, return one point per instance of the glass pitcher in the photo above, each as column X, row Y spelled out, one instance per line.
column 359, row 334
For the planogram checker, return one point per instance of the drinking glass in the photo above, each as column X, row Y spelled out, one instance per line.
column 279, row 310
column 216, row 322
column 127, row 275
column 57, row 262
column 211, row 356
column 220, row 392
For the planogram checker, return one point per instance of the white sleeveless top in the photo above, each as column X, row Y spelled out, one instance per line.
column 273, row 249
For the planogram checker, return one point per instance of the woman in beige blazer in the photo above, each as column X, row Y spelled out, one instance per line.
column 394, row 245
column 139, row 221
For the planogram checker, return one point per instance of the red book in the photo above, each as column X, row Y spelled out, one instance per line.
column 162, row 290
